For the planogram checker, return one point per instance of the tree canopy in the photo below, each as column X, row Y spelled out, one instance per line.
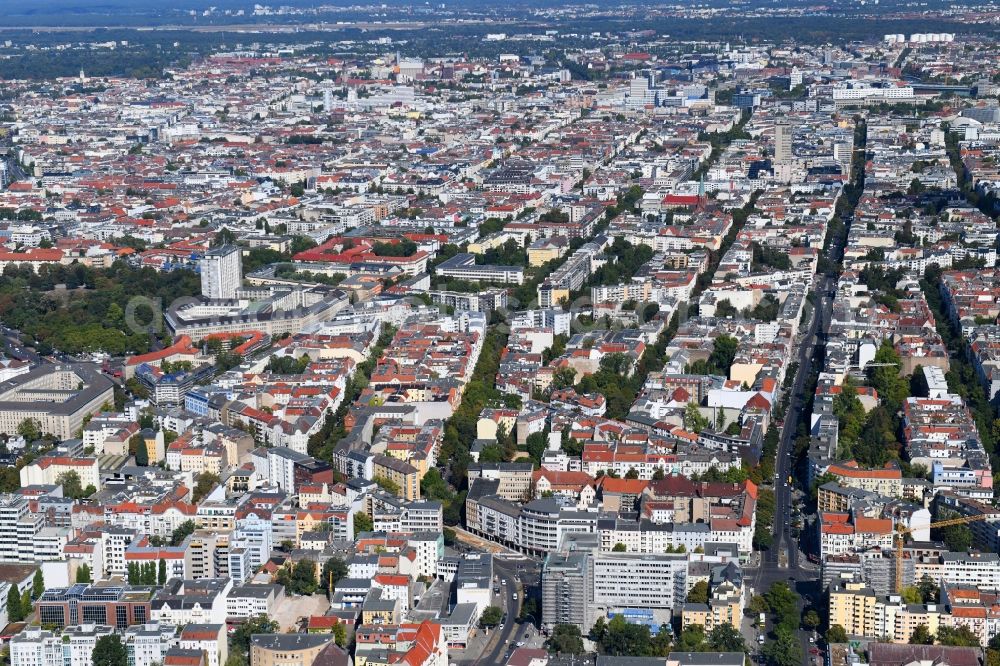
column 109, row 651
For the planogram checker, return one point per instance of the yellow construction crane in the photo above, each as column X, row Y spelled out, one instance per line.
column 901, row 531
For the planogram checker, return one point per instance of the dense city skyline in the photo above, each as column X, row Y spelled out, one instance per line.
column 458, row 334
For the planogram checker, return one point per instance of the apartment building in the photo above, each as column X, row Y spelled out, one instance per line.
column 535, row 527
column 252, row 600
column 17, row 529
column 181, row 601
column 405, row 476
column 852, row 606
column 208, row 638
column 72, row 646
column 887, row 482
column 47, row 470
column 725, row 600
column 287, row 649
column 514, row 478
column 568, row 589
column 841, row 533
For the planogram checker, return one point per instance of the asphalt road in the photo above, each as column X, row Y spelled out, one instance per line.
column 11, row 341
column 500, row 640
column 782, row 561
column 785, row 467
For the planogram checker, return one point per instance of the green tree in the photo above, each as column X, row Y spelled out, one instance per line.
column 698, row 594
column 387, row 484
column 623, row 638
column 109, row 651
column 83, row 573
column 783, row 603
column 911, row 595
column 850, row 414
column 726, row 638
column 529, row 610
column 161, row 572
column 37, row 584
column 15, row 611
column 957, row 537
column 785, row 650
column 239, row 642
column 619, row 548
column 362, row 523
column 203, row 484
column 536, row 444
column 757, row 605
column 304, row 577
column 566, row 639
column 563, row 377
column 884, row 377
column 182, row 532
column 72, row 486
column 810, row 619
column 877, row 443
column 299, row 578
column 693, row 419
column 929, row 590
column 27, row 607
column 993, row 652
column 339, row 631
column 434, row 487
column 333, row 570
column 921, row 636
column 725, row 308
column 491, row 617
column 957, row 636
column 836, row 634
column 492, row 453
column 236, row 659
column 723, row 352
column 141, row 454
column 692, row 639
column 30, row 429
column 10, row 480
column 600, row 630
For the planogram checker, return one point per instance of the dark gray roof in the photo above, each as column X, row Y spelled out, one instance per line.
column 254, row 591
column 707, row 658
column 94, row 384
column 630, row 661
column 289, row 642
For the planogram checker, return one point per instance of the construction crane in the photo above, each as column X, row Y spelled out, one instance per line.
column 902, row 531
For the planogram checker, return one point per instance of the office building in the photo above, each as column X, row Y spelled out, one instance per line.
column 58, row 397
column 464, row 267
column 119, row 606
column 581, row 583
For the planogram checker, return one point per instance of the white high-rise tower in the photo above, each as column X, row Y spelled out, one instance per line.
column 221, row 273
